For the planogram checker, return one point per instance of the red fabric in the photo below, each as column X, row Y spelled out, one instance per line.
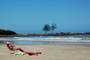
column 27, row 52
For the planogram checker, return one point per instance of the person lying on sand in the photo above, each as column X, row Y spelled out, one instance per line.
column 12, row 47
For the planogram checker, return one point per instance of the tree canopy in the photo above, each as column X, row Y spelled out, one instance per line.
column 46, row 28
column 53, row 27
column 7, row 32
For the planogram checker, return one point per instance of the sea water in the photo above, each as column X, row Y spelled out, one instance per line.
column 49, row 40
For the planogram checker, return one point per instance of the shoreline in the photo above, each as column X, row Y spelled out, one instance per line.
column 37, row 35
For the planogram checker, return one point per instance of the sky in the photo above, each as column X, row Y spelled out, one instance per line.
column 29, row 16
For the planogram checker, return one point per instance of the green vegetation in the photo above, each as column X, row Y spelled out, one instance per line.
column 7, row 32
column 47, row 28
column 53, row 27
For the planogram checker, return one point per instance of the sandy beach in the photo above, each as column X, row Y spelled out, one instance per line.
column 49, row 52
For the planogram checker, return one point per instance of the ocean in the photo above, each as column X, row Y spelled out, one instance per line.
column 49, row 40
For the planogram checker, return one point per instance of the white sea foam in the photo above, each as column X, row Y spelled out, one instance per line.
column 72, row 39
column 48, row 38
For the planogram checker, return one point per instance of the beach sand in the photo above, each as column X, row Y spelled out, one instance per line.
column 49, row 52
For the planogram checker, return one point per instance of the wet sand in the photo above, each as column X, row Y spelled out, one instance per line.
column 49, row 52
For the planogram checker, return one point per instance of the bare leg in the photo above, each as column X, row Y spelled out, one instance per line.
column 33, row 53
column 36, row 53
column 19, row 49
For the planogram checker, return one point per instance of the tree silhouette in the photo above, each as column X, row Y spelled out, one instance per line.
column 53, row 27
column 7, row 32
column 46, row 28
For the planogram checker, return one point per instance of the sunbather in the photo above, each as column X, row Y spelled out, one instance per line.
column 12, row 47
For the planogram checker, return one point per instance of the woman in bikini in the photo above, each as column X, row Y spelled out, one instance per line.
column 12, row 47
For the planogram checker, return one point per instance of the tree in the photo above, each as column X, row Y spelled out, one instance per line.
column 7, row 32
column 53, row 27
column 46, row 28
